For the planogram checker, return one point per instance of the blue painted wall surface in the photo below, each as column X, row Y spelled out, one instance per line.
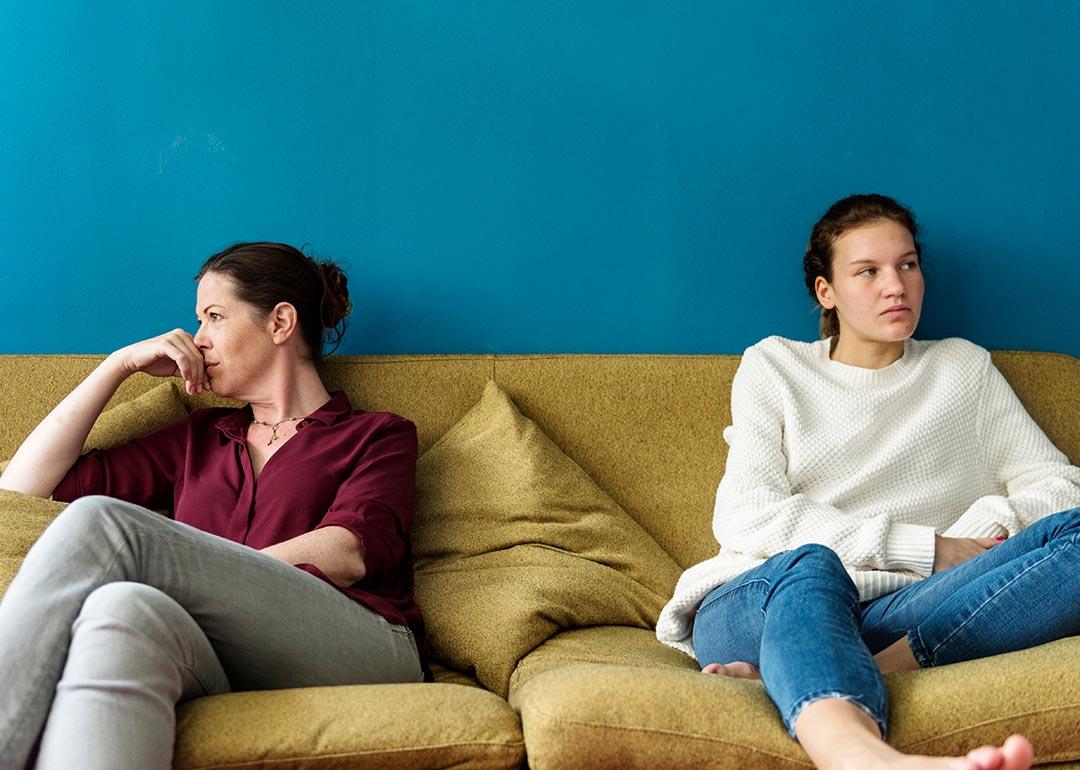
column 571, row 175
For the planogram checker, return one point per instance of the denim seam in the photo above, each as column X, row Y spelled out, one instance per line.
column 816, row 695
column 918, row 648
column 932, row 654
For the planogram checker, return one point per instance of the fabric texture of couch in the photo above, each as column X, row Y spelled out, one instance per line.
column 559, row 497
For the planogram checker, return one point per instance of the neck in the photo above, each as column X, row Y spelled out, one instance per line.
column 295, row 390
column 866, row 354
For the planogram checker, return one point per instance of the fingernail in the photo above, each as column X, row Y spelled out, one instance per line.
column 999, row 538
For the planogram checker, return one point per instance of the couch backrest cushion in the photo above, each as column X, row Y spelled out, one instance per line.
column 514, row 542
column 648, row 429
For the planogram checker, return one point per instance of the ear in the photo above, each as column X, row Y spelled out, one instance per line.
column 824, row 293
column 282, row 322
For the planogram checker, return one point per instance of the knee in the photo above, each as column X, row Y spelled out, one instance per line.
column 89, row 518
column 816, row 555
column 817, row 560
column 85, row 515
column 133, row 604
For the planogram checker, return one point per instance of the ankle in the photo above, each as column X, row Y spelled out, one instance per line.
column 839, row 735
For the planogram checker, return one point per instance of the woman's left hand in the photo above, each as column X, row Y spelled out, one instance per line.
column 950, row 551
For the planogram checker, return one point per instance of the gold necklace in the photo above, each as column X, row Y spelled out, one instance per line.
column 273, row 427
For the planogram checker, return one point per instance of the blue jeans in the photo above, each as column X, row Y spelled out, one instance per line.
column 798, row 617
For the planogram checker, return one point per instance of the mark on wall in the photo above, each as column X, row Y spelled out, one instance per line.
column 209, row 143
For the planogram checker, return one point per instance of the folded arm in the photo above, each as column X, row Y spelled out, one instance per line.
column 56, row 443
column 336, row 551
column 1034, row 477
column 365, row 531
column 758, row 513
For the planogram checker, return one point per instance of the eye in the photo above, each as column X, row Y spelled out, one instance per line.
column 214, row 316
column 867, row 271
column 912, row 265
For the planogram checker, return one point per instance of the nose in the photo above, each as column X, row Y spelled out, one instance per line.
column 201, row 340
column 894, row 284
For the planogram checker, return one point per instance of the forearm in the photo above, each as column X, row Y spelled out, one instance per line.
column 55, row 444
column 336, row 551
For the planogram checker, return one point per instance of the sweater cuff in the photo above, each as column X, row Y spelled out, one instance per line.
column 976, row 523
column 910, row 547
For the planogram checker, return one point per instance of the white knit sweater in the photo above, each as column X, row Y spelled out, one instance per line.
column 872, row 463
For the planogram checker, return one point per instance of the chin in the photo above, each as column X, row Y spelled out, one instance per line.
column 219, row 388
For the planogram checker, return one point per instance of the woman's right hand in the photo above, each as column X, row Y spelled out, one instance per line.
column 173, row 354
column 950, row 551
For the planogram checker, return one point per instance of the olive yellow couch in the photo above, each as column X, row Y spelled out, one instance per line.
column 558, row 499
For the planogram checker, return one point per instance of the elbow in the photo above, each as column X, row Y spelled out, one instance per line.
column 359, row 569
column 348, row 576
column 351, row 569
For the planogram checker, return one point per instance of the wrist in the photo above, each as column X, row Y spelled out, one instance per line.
column 115, row 366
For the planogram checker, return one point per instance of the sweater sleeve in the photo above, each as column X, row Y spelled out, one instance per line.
column 1033, row 478
column 758, row 513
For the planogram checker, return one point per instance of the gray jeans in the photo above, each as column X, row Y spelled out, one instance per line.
column 118, row 614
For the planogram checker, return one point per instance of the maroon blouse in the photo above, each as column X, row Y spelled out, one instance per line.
column 343, row 468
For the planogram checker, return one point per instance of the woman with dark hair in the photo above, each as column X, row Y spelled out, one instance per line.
column 887, row 504
column 273, row 572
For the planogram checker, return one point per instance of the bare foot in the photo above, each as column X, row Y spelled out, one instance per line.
column 1016, row 754
column 738, row 669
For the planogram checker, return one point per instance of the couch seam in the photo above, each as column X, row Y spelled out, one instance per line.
column 905, row 747
column 358, row 753
column 995, row 720
column 661, row 731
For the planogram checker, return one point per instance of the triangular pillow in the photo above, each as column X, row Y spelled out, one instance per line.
column 514, row 542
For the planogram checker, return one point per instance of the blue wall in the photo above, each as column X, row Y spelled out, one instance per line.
column 567, row 175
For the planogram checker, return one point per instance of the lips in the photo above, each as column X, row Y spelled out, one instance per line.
column 897, row 310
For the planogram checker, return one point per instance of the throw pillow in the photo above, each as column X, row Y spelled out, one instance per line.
column 514, row 542
column 23, row 518
column 133, row 419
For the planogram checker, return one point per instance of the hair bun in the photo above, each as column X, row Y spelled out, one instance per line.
column 336, row 305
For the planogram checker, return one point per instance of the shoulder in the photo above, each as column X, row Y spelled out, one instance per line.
column 956, row 355
column 953, row 348
column 782, row 352
column 783, row 359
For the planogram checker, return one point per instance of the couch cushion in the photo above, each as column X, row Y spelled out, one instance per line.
column 598, row 715
column 392, row 726
column 514, row 542
column 22, row 520
column 620, row 645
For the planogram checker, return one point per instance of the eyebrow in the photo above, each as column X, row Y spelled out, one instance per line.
column 911, row 253
column 208, row 307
